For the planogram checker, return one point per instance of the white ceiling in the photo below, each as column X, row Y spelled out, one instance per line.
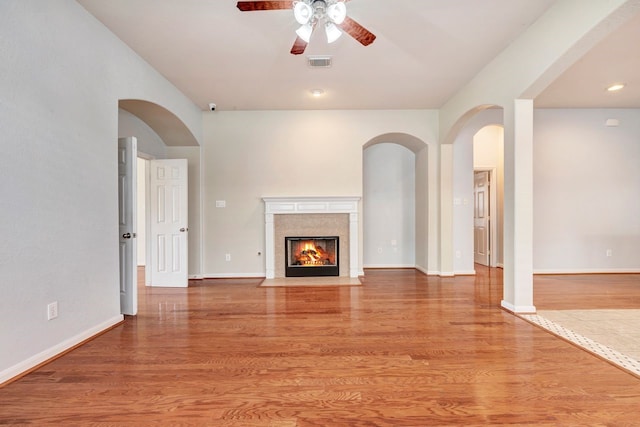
column 424, row 52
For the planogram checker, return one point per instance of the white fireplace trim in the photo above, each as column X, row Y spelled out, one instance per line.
column 310, row 205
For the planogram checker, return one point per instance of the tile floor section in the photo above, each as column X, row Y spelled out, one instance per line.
column 611, row 334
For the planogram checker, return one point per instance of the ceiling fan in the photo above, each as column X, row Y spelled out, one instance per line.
column 332, row 14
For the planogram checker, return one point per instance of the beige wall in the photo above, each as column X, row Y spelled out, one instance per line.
column 250, row 155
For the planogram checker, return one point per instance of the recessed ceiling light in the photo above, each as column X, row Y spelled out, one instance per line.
column 616, row 87
column 317, row 92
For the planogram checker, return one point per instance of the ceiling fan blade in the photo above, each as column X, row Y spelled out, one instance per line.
column 357, row 31
column 298, row 46
column 250, row 6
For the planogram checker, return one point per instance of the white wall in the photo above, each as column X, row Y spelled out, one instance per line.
column 389, row 206
column 62, row 75
column 486, row 147
column 149, row 142
column 586, row 191
column 250, row 155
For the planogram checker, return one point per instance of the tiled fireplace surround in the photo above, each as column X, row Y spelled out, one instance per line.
column 310, row 217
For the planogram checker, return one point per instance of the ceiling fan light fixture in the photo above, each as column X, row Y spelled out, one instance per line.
column 333, row 33
column 337, row 12
column 304, row 32
column 303, row 12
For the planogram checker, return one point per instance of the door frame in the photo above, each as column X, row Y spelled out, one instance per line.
column 147, row 217
column 493, row 212
column 128, row 260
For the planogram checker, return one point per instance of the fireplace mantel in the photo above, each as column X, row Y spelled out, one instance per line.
column 311, row 205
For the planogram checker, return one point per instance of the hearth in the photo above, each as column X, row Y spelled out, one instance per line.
column 312, row 256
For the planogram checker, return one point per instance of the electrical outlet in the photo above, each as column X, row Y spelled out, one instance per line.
column 609, row 252
column 52, row 310
column 227, row 257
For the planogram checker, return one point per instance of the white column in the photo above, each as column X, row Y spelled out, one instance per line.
column 446, row 210
column 518, row 207
column 269, row 242
column 353, row 244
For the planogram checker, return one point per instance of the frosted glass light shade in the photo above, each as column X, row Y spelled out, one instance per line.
column 302, row 12
column 304, row 32
column 337, row 12
column 333, row 33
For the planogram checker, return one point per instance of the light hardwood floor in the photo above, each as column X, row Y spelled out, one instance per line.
column 404, row 349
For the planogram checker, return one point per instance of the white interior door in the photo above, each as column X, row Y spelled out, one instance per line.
column 127, row 207
column 168, row 228
column 481, row 218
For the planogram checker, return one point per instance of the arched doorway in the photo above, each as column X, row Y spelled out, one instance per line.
column 396, row 203
column 159, row 135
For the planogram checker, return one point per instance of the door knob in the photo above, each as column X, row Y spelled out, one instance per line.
column 182, row 230
column 126, row 236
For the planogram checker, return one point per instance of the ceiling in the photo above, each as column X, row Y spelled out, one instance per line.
column 424, row 52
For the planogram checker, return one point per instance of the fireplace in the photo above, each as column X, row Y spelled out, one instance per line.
column 311, row 216
column 312, row 256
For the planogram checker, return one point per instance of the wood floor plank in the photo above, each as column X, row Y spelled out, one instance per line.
column 404, row 349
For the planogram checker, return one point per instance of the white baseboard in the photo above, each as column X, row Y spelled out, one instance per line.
column 521, row 309
column 243, row 275
column 234, row 276
column 465, row 273
column 589, row 271
column 56, row 350
column 422, row 270
column 389, row 266
column 427, row 272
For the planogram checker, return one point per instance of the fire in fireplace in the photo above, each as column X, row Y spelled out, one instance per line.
column 311, row 256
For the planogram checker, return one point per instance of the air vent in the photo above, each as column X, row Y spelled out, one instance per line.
column 319, row 61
